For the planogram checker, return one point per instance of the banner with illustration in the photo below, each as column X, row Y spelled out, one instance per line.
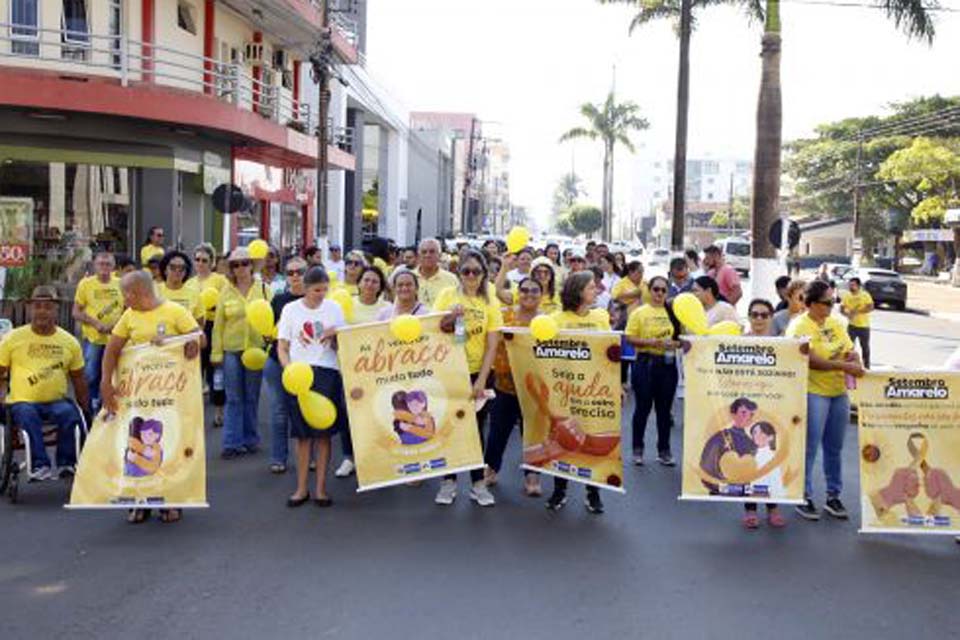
column 151, row 453
column 744, row 419
column 410, row 404
column 16, row 231
column 569, row 393
column 909, row 452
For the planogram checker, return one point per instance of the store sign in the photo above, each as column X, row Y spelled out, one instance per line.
column 928, row 235
column 16, row 231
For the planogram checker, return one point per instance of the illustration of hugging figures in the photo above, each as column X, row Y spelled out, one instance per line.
column 564, row 435
column 904, row 485
column 144, row 454
column 412, row 423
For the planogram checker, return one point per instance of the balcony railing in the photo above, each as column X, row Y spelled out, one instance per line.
column 128, row 60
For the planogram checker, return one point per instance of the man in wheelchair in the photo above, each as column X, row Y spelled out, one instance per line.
column 38, row 359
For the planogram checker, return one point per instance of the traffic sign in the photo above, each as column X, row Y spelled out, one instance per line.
column 793, row 234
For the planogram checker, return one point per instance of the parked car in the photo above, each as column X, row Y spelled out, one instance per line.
column 884, row 286
column 736, row 253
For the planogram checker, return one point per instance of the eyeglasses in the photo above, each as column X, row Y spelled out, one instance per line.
column 658, row 289
column 295, row 272
column 177, row 267
column 240, row 263
column 201, row 259
column 530, row 291
column 471, row 271
column 353, row 263
column 760, row 315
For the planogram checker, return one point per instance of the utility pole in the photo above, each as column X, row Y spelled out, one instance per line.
column 468, row 178
column 730, row 205
column 322, row 61
column 857, row 239
column 683, row 105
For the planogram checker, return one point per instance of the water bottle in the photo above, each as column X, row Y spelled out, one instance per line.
column 218, row 379
column 459, row 330
column 670, row 356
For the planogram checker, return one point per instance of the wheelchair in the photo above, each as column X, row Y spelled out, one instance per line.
column 13, row 439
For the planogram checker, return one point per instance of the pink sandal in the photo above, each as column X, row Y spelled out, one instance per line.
column 751, row 521
column 776, row 520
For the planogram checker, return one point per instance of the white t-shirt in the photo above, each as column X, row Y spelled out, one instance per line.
column 721, row 312
column 303, row 327
column 610, row 280
column 515, row 276
column 337, row 266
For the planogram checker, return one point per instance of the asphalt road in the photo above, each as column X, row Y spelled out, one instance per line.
column 392, row 564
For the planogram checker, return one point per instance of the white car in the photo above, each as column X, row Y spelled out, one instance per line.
column 736, row 253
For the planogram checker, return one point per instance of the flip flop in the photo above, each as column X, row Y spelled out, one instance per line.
column 138, row 516
column 751, row 521
column 169, row 516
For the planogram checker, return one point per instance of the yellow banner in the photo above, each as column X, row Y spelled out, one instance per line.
column 909, row 452
column 412, row 414
column 569, row 392
column 744, row 419
column 151, row 453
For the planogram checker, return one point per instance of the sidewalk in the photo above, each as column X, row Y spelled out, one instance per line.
column 939, row 299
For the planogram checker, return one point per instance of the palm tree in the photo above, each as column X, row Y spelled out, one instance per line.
column 682, row 12
column 612, row 123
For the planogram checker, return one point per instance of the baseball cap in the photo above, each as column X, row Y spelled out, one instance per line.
column 45, row 292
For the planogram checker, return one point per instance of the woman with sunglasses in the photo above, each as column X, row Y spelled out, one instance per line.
column 542, row 271
column 368, row 304
column 652, row 330
column 203, row 259
column 153, row 247
column 505, row 412
column 176, row 270
column 794, row 296
column 832, row 357
column 353, row 267
column 295, row 269
column 473, row 307
column 232, row 335
column 760, row 313
column 406, row 296
column 578, row 297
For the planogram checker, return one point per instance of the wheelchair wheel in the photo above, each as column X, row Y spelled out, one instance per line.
column 7, row 470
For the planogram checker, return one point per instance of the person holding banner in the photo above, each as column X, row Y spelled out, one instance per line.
column 406, row 300
column 832, row 357
column 368, row 303
column 232, row 335
column 653, row 331
column 148, row 318
column 505, row 412
column 307, row 333
column 631, row 290
column 474, row 317
column 176, row 269
column 577, row 297
column 204, row 258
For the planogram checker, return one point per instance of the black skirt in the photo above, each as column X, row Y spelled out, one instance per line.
column 327, row 382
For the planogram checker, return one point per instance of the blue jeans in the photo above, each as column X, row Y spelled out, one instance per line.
column 242, row 387
column 92, row 367
column 279, row 418
column 31, row 417
column 827, row 420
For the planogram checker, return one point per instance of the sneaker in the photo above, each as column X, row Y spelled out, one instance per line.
column 666, row 459
column 66, row 471
column 345, row 469
column 835, row 508
column 638, row 459
column 39, row 474
column 556, row 501
column 808, row 510
column 593, row 502
column 447, row 493
column 531, row 485
column 480, row 494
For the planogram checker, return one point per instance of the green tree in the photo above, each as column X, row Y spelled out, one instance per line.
column 930, row 168
column 741, row 215
column 585, row 219
column 611, row 123
column 569, row 190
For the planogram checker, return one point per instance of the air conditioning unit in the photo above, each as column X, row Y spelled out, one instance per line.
column 253, row 53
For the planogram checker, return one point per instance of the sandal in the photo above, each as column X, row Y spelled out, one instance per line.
column 293, row 503
column 751, row 521
column 277, row 467
column 169, row 516
column 776, row 519
column 138, row 516
column 323, row 502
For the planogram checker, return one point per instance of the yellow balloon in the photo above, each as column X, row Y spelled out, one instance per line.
column 258, row 249
column 260, row 316
column 725, row 328
column 517, row 239
column 209, row 297
column 343, row 298
column 318, row 412
column 254, row 359
column 297, row 378
column 544, row 328
column 689, row 311
column 406, row 328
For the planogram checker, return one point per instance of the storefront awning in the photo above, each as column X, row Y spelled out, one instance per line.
column 42, row 154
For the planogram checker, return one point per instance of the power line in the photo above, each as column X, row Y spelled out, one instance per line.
column 865, row 5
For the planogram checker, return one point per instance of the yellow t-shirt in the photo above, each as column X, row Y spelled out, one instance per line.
column 168, row 318
column 650, row 323
column 231, row 331
column 187, row 296
column 39, row 364
column 480, row 315
column 103, row 301
column 216, row 280
column 148, row 251
column 855, row 301
column 828, row 341
column 625, row 285
column 595, row 320
column 431, row 287
column 363, row 313
column 352, row 289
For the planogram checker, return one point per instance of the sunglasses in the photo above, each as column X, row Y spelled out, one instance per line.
column 201, row 259
column 760, row 315
column 353, row 263
column 658, row 289
column 471, row 271
column 240, row 263
column 827, row 303
column 295, row 272
column 530, row 291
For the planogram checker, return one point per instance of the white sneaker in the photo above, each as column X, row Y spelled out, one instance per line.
column 480, row 494
column 345, row 469
column 447, row 493
column 39, row 474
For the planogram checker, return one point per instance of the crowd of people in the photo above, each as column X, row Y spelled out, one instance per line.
column 480, row 291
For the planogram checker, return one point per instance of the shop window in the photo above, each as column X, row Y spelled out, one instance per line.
column 25, row 27
column 187, row 17
column 75, row 30
column 115, row 27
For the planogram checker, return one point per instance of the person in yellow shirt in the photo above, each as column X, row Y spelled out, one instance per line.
column 148, row 318
column 474, row 317
column 38, row 359
column 369, row 302
column 231, row 336
column 176, row 270
column 578, row 297
column 832, row 357
column 153, row 246
column 631, row 290
column 204, row 259
column 353, row 266
column 97, row 306
column 654, row 376
column 857, row 305
column 433, row 278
